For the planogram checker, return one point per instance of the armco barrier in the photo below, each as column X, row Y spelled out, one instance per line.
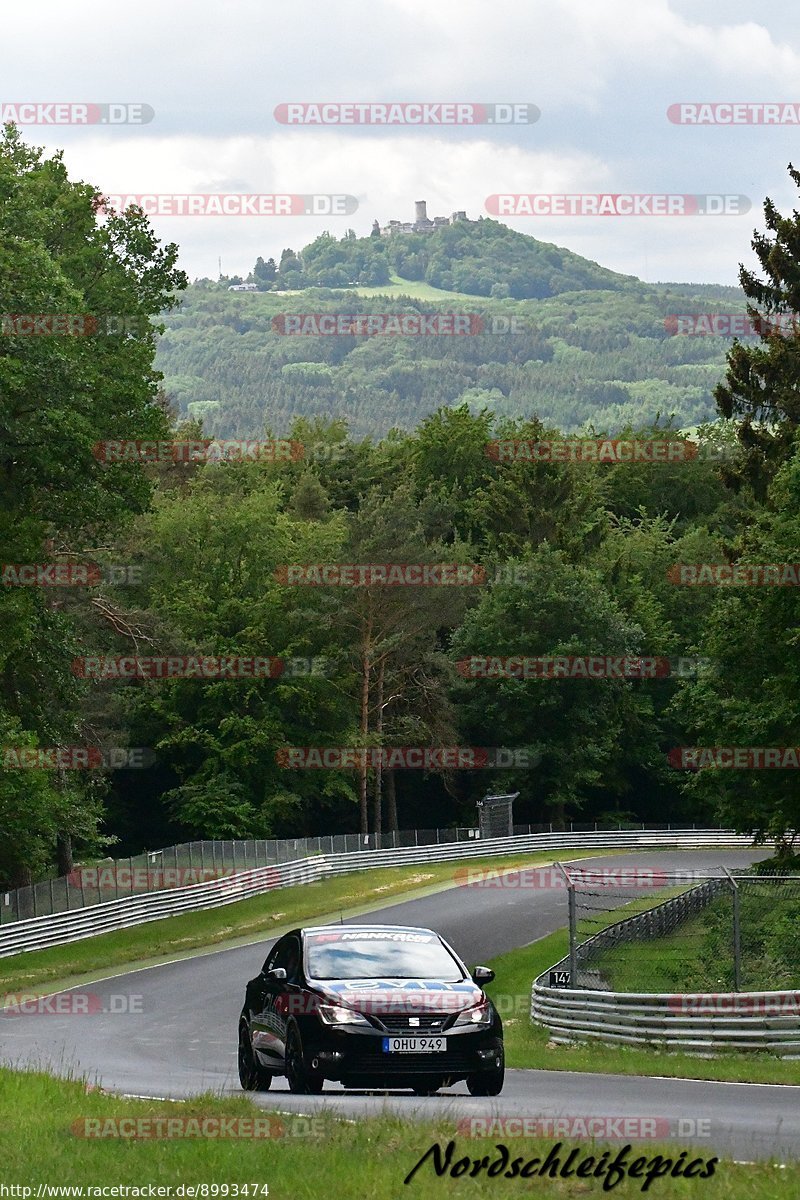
column 693, row 1022
column 56, row 929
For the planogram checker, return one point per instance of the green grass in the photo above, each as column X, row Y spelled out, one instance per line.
column 681, row 961
column 648, row 964
column 528, row 1045
column 325, row 1157
column 417, row 289
column 245, row 921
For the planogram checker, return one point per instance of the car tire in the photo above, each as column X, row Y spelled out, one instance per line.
column 488, row 1083
column 252, row 1075
column 301, row 1081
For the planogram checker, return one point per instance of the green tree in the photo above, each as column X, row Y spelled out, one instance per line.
column 748, row 697
column 577, row 730
column 760, row 387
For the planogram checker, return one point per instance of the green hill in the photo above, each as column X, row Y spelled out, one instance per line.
column 478, row 258
column 562, row 338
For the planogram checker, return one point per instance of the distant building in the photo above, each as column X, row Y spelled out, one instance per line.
column 243, row 287
column 422, row 223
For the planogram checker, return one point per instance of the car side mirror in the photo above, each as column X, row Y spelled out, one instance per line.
column 276, row 975
column 482, row 975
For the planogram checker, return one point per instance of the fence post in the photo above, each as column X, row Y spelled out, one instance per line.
column 737, row 934
column 573, row 926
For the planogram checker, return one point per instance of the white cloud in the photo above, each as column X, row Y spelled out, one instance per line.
column 603, row 74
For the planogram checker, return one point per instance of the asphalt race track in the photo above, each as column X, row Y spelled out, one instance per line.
column 181, row 1039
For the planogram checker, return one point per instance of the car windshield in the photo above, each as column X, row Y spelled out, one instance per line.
column 363, row 954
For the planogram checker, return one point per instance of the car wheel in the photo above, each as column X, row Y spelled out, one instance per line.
column 488, row 1083
column 301, row 1081
column 252, row 1075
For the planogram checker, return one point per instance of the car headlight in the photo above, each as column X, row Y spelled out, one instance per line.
column 337, row 1014
column 477, row 1017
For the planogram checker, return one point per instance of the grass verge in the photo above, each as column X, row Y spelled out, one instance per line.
column 41, row 1119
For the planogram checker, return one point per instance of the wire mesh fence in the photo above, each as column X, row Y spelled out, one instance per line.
column 657, row 931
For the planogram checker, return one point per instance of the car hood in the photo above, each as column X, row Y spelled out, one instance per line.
column 400, row 995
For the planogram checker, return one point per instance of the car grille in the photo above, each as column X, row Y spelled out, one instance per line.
column 401, row 1023
column 451, row 1062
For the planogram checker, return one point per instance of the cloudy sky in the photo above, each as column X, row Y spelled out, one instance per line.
column 602, row 72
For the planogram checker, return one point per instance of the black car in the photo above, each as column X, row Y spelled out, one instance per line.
column 372, row 1006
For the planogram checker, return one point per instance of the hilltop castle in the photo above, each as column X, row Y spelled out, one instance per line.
column 421, row 224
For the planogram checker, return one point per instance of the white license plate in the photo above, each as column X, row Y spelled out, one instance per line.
column 414, row 1045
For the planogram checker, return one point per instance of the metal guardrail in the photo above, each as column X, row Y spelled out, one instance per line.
column 696, row 1022
column 60, row 928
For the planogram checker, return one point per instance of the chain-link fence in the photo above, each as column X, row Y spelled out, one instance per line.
column 195, row 862
column 637, row 930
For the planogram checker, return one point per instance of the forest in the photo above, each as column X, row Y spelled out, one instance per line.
column 554, row 336
column 258, row 557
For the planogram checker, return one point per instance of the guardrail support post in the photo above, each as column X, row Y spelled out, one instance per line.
column 573, row 926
